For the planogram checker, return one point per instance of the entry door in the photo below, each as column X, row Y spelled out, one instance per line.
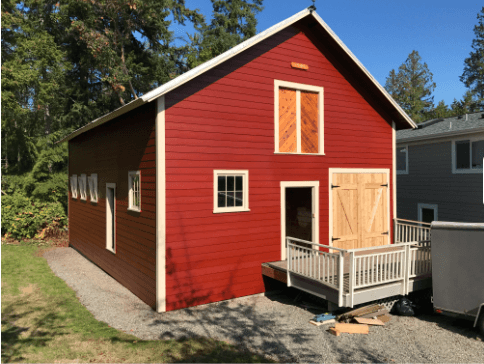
column 360, row 210
column 299, row 214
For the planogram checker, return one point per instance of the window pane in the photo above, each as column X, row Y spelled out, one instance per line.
column 221, row 199
column 221, row 183
column 230, row 199
column 238, row 183
column 477, row 154
column 239, row 201
column 402, row 159
column 230, row 183
column 462, row 150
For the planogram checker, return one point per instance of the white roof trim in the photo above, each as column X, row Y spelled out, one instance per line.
column 182, row 79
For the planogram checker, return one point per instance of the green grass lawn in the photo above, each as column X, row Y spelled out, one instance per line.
column 43, row 321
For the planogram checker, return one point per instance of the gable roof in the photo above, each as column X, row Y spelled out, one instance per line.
column 439, row 128
column 403, row 120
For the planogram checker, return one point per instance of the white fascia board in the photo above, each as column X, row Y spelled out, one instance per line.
column 368, row 74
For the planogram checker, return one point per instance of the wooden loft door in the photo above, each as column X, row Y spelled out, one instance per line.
column 287, row 121
column 360, row 210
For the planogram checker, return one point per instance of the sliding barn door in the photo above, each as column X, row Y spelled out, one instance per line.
column 360, row 210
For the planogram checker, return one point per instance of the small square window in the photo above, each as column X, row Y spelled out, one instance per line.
column 134, row 180
column 74, row 186
column 92, row 181
column 231, row 189
column 82, row 181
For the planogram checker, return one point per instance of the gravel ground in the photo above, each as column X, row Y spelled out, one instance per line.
column 273, row 325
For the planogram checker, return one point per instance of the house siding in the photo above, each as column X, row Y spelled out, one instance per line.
column 111, row 150
column 224, row 119
column 430, row 180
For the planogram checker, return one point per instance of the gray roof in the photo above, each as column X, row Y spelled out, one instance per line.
column 437, row 128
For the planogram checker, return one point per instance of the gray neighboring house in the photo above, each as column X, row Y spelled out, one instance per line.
column 439, row 170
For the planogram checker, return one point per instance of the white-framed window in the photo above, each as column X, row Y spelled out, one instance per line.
column 402, row 160
column 134, row 185
column 468, row 155
column 82, row 181
column 92, row 181
column 74, row 186
column 111, row 217
column 230, row 191
column 428, row 212
column 298, row 118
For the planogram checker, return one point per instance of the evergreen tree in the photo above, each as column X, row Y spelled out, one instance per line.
column 412, row 87
column 473, row 75
column 233, row 22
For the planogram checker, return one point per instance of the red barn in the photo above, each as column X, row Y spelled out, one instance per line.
column 182, row 194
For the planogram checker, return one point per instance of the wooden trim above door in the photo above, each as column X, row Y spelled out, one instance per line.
column 332, row 171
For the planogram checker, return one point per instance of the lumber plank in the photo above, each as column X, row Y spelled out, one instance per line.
column 380, row 312
column 361, row 311
column 335, row 332
column 331, row 321
column 369, row 321
column 352, row 328
column 384, row 318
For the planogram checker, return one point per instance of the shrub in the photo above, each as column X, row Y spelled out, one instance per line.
column 23, row 218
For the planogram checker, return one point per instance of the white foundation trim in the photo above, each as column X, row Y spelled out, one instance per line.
column 160, row 207
column 315, row 207
column 355, row 170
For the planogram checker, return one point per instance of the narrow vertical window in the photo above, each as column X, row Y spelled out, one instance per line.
column 134, row 180
column 92, row 181
column 111, row 217
column 74, row 186
column 402, row 160
column 82, row 186
column 231, row 190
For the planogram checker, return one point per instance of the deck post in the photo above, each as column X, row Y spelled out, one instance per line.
column 351, row 277
column 288, row 257
column 341, row 278
column 408, row 262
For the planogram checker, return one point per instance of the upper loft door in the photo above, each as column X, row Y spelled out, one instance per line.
column 360, row 210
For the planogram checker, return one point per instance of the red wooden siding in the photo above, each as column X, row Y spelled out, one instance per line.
column 224, row 119
column 111, row 150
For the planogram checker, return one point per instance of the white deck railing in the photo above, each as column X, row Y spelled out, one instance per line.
column 349, row 270
column 410, row 231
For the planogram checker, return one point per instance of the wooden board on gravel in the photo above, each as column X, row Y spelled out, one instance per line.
column 369, row 321
column 352, row 328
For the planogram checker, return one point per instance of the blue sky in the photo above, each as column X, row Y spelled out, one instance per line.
column 382, row 33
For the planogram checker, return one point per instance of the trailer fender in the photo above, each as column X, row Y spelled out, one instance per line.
column 479, row 321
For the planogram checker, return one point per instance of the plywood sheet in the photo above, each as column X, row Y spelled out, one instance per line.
column 287, row 121
column 309, row 122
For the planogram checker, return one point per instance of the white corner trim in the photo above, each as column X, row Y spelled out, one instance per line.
column 315, row 206
column 434, row 207
column 332, row 171
column 298, row 87
column 160, row 206
column 406, row 159
column 394, row 169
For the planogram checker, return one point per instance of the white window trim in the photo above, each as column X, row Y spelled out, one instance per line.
column 298, row 87
column 108, row 225
column 401, row 171
column 314, row 185
column 74, row 191
column 434, row 207
column 245, row 189
column 82, row 181
column 454, row 156
column 130, row 196
column 93, row 190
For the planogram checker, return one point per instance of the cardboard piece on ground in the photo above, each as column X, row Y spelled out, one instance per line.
column 332, row 321
column 384, row 318
column 352, row 328
column 334, row 331
column 369, row 321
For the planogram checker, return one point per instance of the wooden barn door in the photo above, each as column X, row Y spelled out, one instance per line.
column 360, row 210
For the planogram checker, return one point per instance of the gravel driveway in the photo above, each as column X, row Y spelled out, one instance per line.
column 272, row 325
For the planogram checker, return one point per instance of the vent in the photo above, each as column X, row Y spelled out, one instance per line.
column 428, row 123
